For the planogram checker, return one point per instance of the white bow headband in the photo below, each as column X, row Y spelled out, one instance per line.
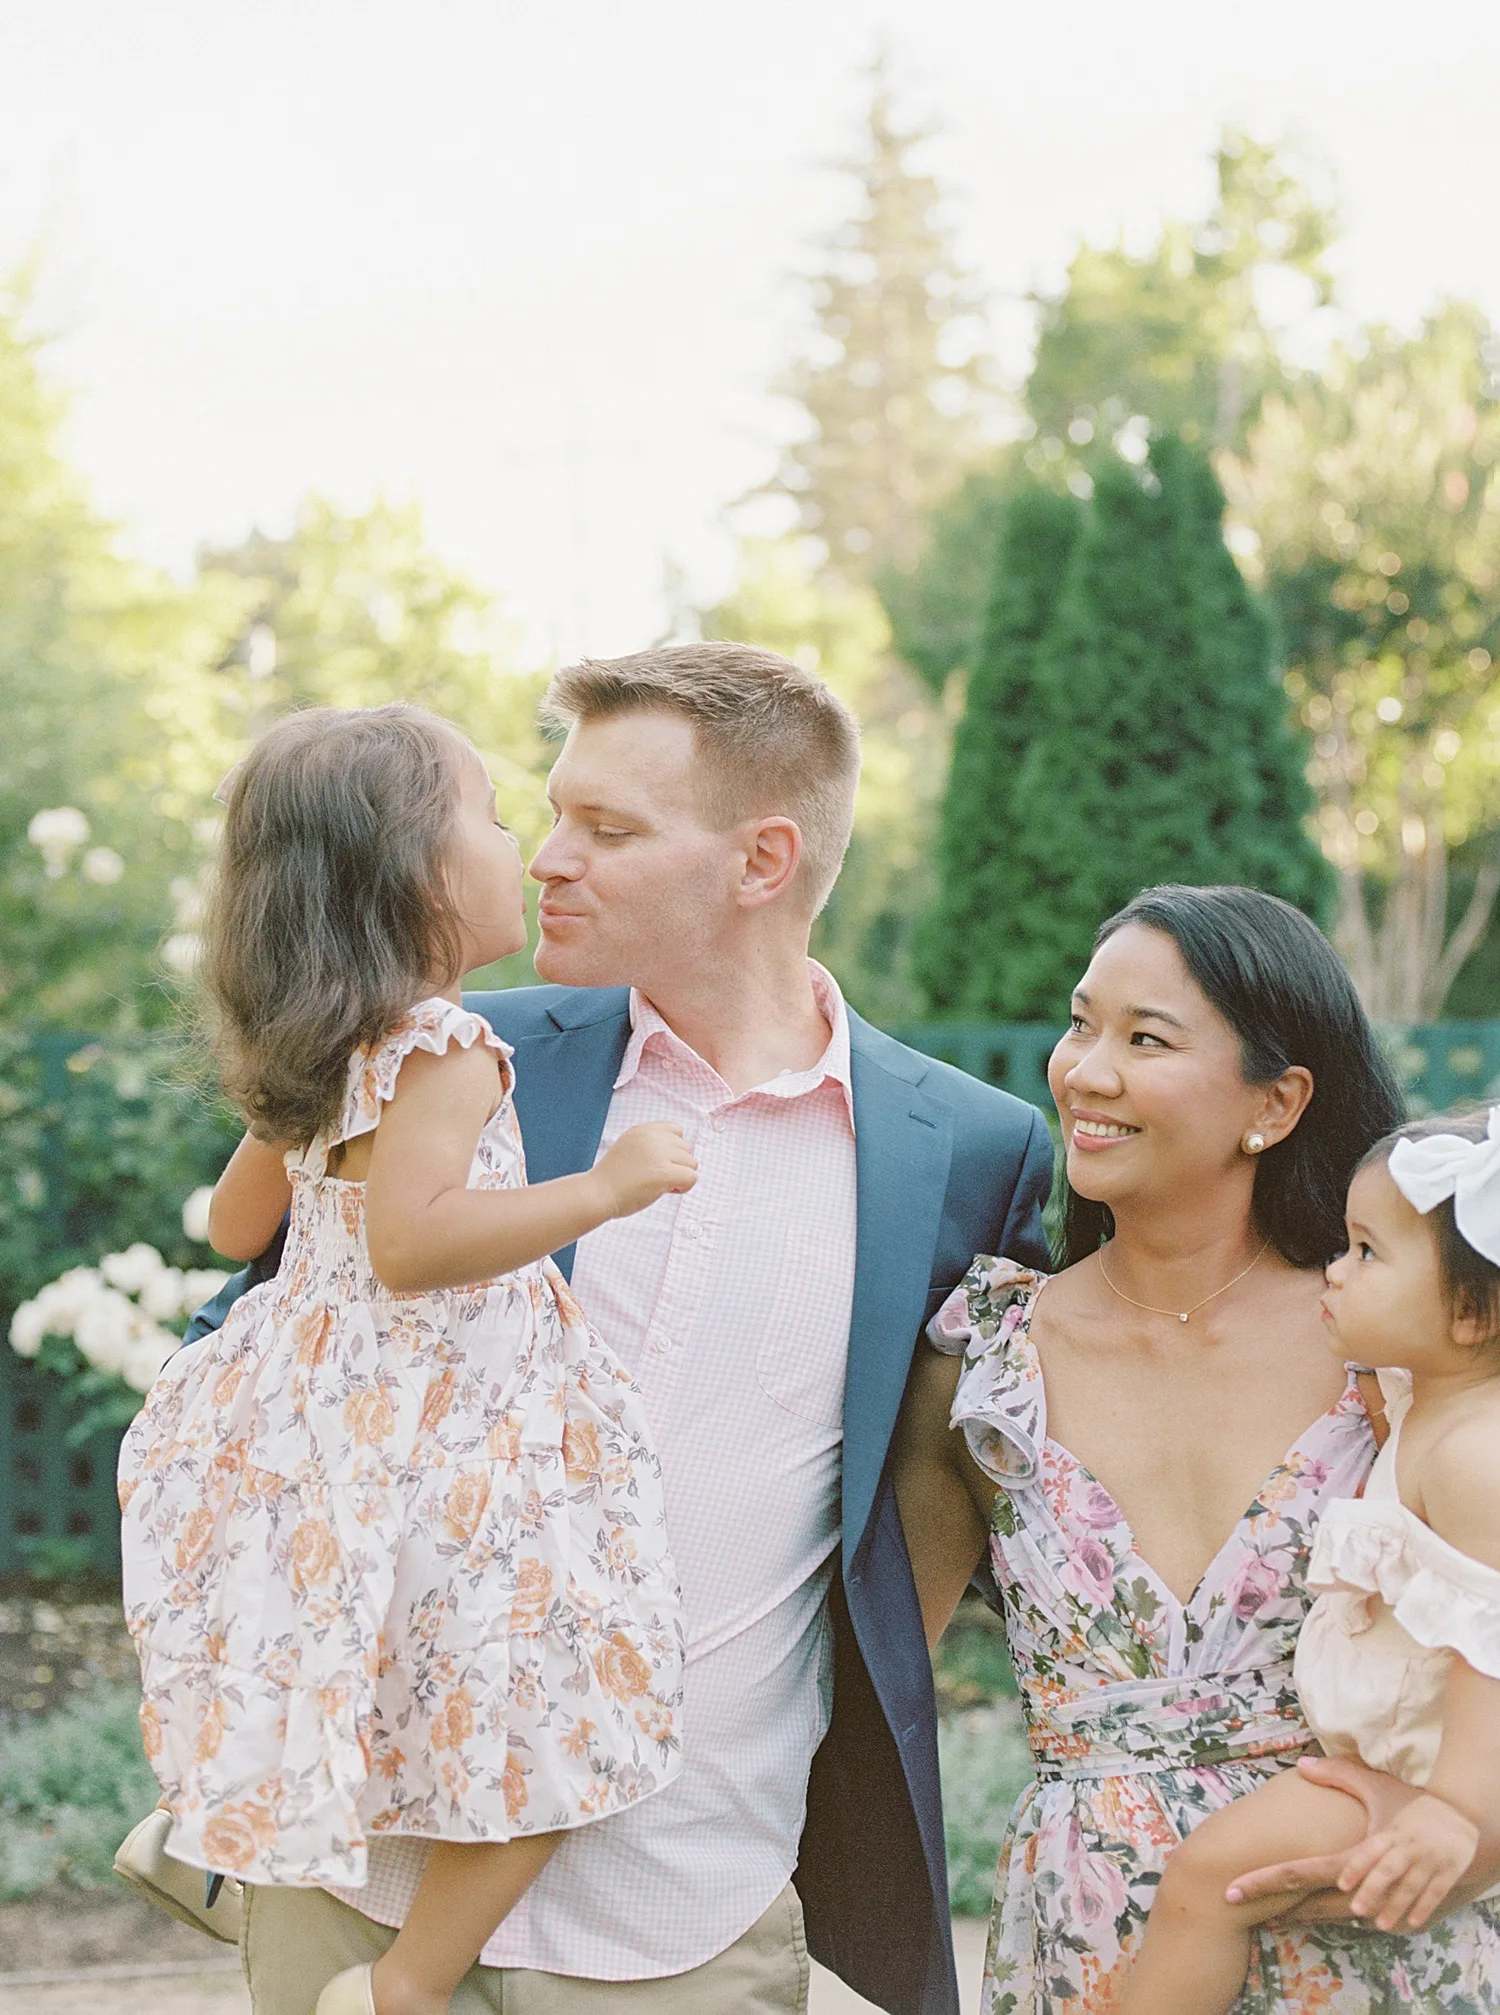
column 1443, row 1165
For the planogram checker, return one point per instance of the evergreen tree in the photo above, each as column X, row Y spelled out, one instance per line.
column 892, row 385
column 1162, row 750
column 962, row 959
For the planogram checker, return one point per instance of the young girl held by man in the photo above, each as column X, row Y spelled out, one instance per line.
column 394, row 1549
column 1398, row 1662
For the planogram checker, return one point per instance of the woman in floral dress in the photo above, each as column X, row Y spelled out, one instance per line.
column 1147, row 1441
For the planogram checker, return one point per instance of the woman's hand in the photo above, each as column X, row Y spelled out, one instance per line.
column 1385, row 1799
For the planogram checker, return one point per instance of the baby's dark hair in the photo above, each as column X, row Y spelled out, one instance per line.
column 1471, row 1283
column 331, row 913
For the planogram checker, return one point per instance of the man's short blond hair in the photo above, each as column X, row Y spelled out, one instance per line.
column 774, row 739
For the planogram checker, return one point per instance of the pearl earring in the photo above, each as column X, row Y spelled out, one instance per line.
column 1254, row 1143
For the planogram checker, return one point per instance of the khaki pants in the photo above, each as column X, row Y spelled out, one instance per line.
column 293, row 1941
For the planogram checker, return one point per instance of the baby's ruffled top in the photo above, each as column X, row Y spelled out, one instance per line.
column 1396, row 1603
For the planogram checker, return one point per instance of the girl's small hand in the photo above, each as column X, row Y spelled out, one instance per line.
column 1404, row 1871
column 646, row 1162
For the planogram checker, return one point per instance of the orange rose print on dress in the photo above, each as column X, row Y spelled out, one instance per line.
column 233, row 1837
column 513, row 1783
column 532, row 1599
column 622, row 1670
column 310, row 1333
column 504, row 1442
column 314, row 1553
column 228, row 1383
column 437, row 1403
column 150, row 1719
column 578, row 1738
column 580, row 1447
column 196, row 1530
column 211, row 1725
column 467, row 1496
column 369, row 1417
column 453, row 1724
column 654, row 1722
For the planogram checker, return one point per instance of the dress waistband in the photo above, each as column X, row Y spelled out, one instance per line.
column 1184, row 1723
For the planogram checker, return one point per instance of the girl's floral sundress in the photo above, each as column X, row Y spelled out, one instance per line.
column 396, row 1563
column 1145, row 1713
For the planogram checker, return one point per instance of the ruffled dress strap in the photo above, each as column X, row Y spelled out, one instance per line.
column 1000, row 1403
column 431, row 1025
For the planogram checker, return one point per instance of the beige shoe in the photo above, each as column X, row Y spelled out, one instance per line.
column 348, row 1993
column 143, row 1862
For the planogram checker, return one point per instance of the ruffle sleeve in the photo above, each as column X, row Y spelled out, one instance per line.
column 1000, row 1404
column 1439, row 1596
column 432, row 1025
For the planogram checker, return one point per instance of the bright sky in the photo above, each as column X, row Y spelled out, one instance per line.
column 528, row 261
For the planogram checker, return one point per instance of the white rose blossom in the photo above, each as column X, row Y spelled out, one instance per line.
column 117, row 1312
column 195, row 1215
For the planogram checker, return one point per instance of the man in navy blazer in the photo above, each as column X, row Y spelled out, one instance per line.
column 648, row 840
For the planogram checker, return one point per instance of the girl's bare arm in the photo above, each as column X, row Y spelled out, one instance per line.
column 942, row 1497
column 428, row 1230
column 249, row 1201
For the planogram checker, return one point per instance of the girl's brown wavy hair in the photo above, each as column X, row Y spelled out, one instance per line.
column 331, row 912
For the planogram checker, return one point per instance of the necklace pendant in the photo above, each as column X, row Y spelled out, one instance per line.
column 1182, row 1318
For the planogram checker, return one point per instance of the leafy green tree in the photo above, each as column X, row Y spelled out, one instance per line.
column 358, row 611
column 1172, row 340
column 964, row 944
column 1162, row 751
column 893, row 384
column 1373, row 498
column 837, row 629
column 1178, row 335
column 111, row 730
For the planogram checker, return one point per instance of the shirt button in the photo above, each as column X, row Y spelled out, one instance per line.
column 718, row 1124
column 694, row 1230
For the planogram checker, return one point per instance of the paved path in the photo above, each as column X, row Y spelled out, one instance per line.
column 221, row 1991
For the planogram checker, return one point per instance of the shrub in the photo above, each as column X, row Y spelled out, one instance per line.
column 986, row 1765
column 72, row 1784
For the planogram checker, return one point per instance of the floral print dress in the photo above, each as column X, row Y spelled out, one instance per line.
column 1146, row 1713
column 396, row 1563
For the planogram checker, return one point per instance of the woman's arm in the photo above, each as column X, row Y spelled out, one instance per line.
column 427, row 1229
column 941, row 1495
column 249, row 1201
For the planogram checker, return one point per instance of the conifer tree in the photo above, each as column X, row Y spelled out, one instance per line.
column 963, row 949
column 892, row 384
column 1162, row 750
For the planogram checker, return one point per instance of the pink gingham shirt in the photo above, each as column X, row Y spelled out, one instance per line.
column 731, row 1308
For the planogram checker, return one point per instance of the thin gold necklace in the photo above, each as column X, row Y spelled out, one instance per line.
column 1182, row 1314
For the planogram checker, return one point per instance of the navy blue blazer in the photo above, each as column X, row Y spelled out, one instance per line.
column 945, row 1167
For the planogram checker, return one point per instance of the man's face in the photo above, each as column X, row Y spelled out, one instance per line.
column 636, row 886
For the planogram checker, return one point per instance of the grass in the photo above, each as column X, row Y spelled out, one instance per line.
column 986, row 1764
column 72, row 1784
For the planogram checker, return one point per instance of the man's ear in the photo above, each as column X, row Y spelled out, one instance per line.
column 773, row 853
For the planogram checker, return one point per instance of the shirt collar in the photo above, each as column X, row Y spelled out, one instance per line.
column 648, row 1027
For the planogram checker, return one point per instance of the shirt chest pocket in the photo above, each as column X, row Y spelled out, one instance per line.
column 800, row 1363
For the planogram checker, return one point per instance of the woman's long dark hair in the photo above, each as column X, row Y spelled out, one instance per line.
column 331, row 913
column 1279, row 984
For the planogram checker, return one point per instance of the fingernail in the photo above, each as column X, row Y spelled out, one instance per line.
column 1234, row 1895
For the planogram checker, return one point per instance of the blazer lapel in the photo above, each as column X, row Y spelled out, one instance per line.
column 903, row 1144
column 565, row 1078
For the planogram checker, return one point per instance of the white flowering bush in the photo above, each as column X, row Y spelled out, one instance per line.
column 118, row 1314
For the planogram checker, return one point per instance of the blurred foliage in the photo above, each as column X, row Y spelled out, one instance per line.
column 72, row 1784
column 986, row 1764
column 107, row 715
column 358, row 611
column 1180, row 335
column 1373, row 494
column 1161, row 748
column 99, row 1151
column 1180, row 339
column 838, row 629
column 980, row 847
column 894, row 381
